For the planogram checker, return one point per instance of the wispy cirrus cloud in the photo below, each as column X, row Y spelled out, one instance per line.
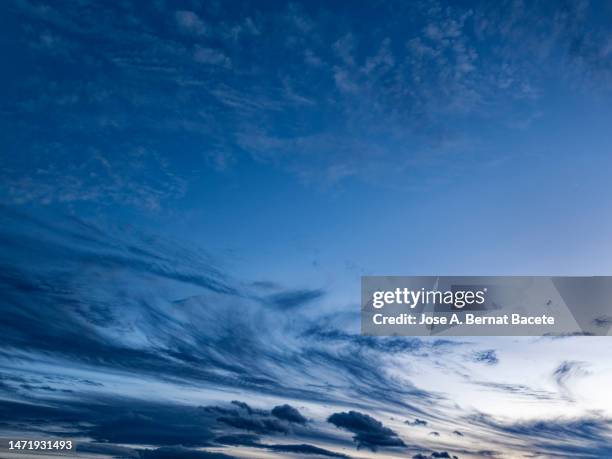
column 224, row 88
column 565, row 437
column 150, row 344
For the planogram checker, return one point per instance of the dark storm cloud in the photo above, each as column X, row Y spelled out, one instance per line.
column 257, row 425
column 368, row 432
column 289, row 414
column 278, row 420
column 25, row 411
column 155, row 427
column 243, row 405
column 133, row 422
column 115, row 420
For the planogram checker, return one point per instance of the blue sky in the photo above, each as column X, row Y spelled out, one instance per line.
column 167, row 164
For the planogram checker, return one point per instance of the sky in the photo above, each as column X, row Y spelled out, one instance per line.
column 190, row 192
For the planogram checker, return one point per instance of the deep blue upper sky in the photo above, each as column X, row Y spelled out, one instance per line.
column 390, row 137
column 158, row 154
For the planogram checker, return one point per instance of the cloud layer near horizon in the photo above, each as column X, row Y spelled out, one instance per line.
column 126, row 339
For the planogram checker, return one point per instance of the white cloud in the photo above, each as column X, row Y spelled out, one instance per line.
column 211, row 56
column 190, row 22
